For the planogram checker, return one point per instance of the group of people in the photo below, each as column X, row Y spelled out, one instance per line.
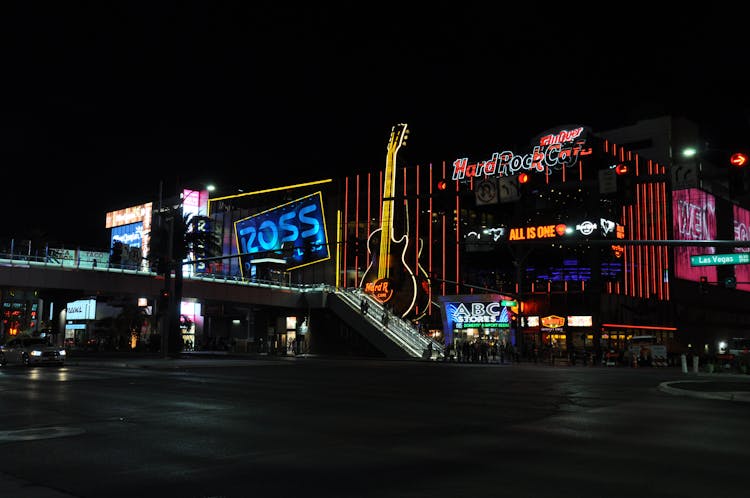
column 479, row 351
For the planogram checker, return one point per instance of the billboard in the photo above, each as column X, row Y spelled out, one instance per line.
column 132, row 239
column 693, row 218
column 294, row 232
column 742, row 232
column 135, row 216
column 473, row 311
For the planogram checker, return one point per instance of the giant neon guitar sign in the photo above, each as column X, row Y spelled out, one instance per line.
column 389, row 278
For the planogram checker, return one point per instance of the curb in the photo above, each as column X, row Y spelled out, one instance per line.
column 668, row 387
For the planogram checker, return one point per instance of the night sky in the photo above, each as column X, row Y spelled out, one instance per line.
column 104, row 101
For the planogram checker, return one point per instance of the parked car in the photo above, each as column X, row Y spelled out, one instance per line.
column 31, row 351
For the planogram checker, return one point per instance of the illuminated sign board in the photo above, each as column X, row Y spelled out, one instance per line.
column 141, row 212
column 132, row 238
column 474, row 315
column 580, row 321
column 720, row 259
column 554, row 151
column 536, row 232
column 134, row 216
column 84, row 309
column 693, row 218
column 553, row 322
column 487, row 238
column 473, row 311
column 195, row 202
column 296, row 231
column 742, row 232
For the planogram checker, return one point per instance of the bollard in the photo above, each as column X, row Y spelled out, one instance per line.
column 695, row 364
column 683, row 361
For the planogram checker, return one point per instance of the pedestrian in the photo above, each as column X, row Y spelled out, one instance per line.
column 385, row 316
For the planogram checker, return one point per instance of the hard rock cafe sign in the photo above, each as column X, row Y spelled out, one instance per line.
column 554, row 151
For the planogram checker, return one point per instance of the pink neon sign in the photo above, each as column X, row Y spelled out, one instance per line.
column 693, row 218
column 742, row 232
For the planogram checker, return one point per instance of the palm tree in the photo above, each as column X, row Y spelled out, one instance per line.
column 175, row 239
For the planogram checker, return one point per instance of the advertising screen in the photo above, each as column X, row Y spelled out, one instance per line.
column 742, row 232
column 693, row 218
column 294, row 232
column 131, row 237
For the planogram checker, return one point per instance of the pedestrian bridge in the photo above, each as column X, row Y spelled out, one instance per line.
column 399, row 339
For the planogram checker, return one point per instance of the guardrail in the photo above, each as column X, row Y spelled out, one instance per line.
column 24, row 261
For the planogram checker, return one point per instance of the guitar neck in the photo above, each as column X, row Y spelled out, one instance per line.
column 398, row 137
column 386, row 220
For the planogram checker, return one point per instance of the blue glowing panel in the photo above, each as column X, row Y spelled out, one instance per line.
column 131, row 237
column 295, row 231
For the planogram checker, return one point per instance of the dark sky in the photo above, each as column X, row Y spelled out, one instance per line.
column 105, row 100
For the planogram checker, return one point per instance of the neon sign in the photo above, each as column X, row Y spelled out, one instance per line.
column 537, row 232
column 554, row 152
column 552, row 322
column 295, row 230
column 486, row 315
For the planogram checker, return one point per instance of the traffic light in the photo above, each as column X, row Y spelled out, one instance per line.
column 704, row 285
column 730, row 282
column 738, row 173
column 625, row 182
column 163, row 299
column 443, row 196
column 738, row 159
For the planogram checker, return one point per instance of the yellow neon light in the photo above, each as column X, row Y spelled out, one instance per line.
column 275, row 189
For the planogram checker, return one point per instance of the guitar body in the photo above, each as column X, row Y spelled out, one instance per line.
column 396, row 285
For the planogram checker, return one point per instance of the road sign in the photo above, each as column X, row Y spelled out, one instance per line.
column 740, row 258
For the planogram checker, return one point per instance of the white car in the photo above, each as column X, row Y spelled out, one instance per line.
column 31, row 351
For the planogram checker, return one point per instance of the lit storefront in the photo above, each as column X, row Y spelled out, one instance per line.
column 556, row 241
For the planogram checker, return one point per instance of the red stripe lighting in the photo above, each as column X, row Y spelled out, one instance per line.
column 643, row 327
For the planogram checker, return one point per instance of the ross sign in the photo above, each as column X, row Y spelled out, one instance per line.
column 296, row 231
column 742, row 258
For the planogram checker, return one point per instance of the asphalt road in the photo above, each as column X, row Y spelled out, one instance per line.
column 363, row 428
